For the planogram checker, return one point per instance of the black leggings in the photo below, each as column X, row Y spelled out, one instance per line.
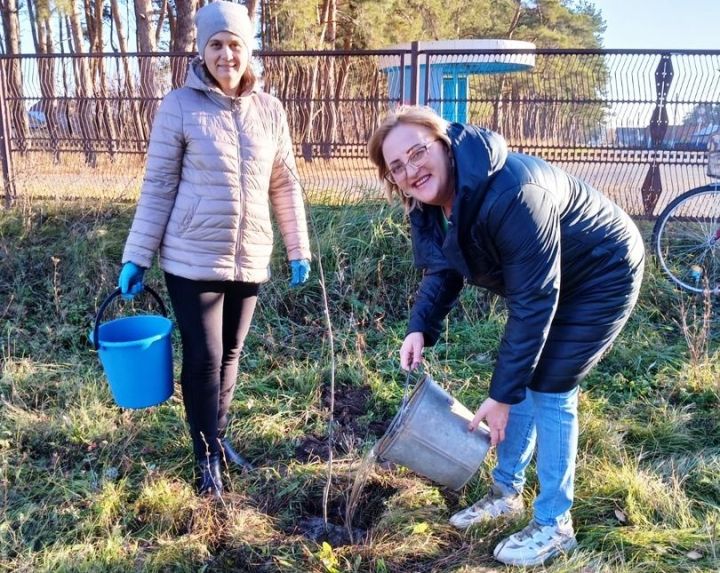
column 214, row 319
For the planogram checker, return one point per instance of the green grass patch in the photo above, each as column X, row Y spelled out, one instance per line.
column 86, row 486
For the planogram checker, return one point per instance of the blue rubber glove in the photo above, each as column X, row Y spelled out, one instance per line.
column 131, row 280
column 300, row 271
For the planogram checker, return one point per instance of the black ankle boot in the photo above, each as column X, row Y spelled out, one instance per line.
column 233, row 458
column 209, row 479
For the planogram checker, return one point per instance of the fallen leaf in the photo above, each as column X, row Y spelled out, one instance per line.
column 420, row 528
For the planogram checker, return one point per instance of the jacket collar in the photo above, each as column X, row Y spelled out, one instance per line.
column 198, row 78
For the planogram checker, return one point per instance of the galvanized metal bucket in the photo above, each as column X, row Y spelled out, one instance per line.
column 430, row 435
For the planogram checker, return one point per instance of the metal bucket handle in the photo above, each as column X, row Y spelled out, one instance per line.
column 406, row 388
column 112, row 296
column 399, row 418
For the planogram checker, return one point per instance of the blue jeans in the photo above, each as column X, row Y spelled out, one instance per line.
column 550, row 422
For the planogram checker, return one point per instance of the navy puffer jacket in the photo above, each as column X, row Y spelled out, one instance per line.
column 525, row 230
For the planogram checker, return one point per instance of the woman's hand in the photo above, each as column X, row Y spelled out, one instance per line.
column 411, row 351
column 130, row 280
column 496, row 415
column 299, row 272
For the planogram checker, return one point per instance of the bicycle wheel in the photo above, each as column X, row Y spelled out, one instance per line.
column 686, row 240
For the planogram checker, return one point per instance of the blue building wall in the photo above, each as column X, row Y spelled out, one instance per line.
column 448, row 93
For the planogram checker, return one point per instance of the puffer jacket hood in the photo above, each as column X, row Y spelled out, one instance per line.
column 198, row 78
column 479, row 154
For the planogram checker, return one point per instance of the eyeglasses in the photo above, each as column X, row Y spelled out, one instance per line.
column 398, row 171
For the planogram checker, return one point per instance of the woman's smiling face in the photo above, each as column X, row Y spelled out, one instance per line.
column 226, row 58
column 428, row 182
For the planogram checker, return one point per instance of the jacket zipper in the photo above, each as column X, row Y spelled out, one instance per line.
column 236, row 108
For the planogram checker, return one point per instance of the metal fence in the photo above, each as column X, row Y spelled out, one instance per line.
column 633, row 123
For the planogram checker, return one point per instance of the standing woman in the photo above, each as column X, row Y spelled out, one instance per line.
column 219, row 157
column 569, row 263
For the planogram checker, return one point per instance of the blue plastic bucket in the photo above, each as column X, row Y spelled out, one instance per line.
column 136, row 355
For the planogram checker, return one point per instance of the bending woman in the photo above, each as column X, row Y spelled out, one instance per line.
column 569, row 263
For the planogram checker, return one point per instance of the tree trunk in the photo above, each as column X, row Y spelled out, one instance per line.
column 320, row 118
column 85, row 107
column 46, row 72
column 183, row 39
column 251, row 6
column 171, row 23
column 503, row 109
column 105, row 121
column 312, row 94
column 148, row 74
column 329, row 111
column 342, row 75
column 137, row 129
column 108, row 119
column 90, row 23
column 11, row 28
column 33, row 23
column 515, row 20
column 161, row 19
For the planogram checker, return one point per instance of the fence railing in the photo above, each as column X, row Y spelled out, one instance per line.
column 633, row 123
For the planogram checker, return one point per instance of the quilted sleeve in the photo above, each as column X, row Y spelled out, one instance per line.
column 286, row 194
column 162, row 175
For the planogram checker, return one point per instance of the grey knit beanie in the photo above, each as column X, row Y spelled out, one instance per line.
column 223, row 16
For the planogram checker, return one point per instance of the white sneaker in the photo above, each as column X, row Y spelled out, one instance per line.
column 536, row 544
column 493, row 505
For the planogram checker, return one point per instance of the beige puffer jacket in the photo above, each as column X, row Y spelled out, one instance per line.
column 215, row 164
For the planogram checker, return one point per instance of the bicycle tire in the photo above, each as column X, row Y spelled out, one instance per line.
column 686, row 240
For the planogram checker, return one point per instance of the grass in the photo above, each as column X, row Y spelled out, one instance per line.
column 86, row 486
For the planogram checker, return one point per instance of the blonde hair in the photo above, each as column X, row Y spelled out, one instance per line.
column 405, row 114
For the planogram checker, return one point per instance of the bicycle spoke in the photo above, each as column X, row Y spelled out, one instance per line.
column 686, row 240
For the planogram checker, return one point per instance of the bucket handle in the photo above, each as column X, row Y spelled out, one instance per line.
column 114, row 294
column 406, row 387
column 406, row 391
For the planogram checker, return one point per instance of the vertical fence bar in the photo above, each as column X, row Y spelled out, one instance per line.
column 5, row 156
column 426, row 81
column 414, row 74
column 652, row 186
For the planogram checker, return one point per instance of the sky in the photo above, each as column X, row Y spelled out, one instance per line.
column 665, row 24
